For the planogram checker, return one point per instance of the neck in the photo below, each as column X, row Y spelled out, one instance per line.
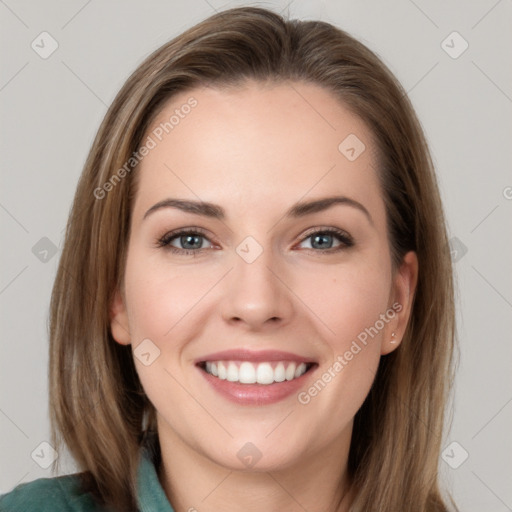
column 195, row 483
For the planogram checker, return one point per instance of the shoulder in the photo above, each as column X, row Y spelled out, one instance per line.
column 57, row 494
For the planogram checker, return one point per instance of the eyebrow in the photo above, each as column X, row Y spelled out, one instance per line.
column 298, row 210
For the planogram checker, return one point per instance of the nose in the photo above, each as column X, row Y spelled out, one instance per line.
column 256, row 294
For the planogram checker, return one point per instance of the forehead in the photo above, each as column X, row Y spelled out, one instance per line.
column 271, row 142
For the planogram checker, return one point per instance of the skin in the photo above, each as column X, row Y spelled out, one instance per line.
column 256, row 150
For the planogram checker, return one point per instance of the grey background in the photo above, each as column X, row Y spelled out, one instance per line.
column 51, row 108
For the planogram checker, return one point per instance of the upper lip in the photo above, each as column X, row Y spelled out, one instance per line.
column 254, row 356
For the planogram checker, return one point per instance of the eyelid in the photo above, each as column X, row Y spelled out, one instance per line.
column 164, row 241
column 330, row 230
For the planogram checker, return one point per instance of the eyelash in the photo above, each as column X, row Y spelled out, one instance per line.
column 164, row 242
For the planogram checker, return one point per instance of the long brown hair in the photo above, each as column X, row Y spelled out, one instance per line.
column 98, row 407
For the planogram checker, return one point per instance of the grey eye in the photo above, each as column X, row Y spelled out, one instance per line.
column 189, row 241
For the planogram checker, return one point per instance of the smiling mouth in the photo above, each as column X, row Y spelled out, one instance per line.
column 264, row 372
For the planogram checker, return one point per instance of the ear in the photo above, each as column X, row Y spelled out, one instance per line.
column 401, row 301
column 119, row 320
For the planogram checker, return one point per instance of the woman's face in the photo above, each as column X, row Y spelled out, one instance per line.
column 267, row 281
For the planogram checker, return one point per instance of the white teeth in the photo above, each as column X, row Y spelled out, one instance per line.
column 232, row 375
column 265, row 374
column 279, row 373
column 247, row 373
column 222, row 370
column 290, row 371
column 300, row 370
column 251, row 373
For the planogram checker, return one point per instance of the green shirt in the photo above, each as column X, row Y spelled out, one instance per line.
column 63, row 494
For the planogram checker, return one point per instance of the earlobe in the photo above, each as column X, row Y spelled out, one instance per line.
column 402, row 298
column 119, row 320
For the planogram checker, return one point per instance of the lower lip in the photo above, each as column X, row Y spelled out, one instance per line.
column 256, row 394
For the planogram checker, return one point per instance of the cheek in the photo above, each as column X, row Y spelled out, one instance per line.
column 160, row 307
column 160, row 299
column 351, row 305
column 348, row 300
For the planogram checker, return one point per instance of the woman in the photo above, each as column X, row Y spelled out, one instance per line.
column 254, row 304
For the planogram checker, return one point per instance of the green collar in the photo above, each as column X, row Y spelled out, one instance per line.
column 150, row 493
